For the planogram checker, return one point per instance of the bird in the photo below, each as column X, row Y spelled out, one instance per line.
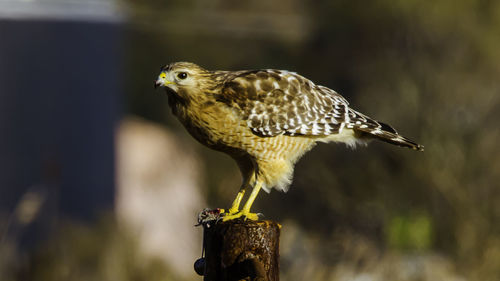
column 266, row 120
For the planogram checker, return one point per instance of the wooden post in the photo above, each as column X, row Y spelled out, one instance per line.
column 241, row 250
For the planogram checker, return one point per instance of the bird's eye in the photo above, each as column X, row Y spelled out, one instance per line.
column 182, row 75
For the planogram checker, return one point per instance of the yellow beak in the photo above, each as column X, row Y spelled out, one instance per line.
column 162, row 81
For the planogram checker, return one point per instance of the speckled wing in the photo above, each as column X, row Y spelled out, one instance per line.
column 274, row 102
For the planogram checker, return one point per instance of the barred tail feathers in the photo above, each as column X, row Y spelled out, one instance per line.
column 392, row 138
column 381, row 131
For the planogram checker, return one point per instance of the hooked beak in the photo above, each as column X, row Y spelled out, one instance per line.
column 162, row 82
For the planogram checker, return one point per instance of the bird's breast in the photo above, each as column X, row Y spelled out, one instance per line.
column 214, row 125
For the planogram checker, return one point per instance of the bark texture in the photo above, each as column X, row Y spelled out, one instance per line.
column 242, row 250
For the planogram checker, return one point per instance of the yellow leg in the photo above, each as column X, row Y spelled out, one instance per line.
column 235, row 207
column 247, row 181
column 251, row 198
column 245, row 212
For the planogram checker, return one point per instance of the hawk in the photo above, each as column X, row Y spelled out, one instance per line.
column 265, row 120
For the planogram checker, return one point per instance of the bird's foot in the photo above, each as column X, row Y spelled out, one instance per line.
column 231, row 211
column 232, row 216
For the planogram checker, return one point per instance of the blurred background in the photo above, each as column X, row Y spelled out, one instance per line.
column 98, row 180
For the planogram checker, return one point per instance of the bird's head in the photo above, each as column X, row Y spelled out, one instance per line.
column 183, row 78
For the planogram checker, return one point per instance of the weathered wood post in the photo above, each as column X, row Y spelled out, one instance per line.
column 241, row 250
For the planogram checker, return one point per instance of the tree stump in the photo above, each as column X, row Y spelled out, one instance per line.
column 242, row 250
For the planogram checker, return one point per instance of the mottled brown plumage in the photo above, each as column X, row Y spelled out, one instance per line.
column 265, row 120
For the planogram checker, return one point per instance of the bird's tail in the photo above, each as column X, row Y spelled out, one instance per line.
column 368, row 127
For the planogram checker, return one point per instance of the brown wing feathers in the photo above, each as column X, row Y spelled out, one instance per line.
column 277, row 102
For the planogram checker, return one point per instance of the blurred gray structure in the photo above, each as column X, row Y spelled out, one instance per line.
column 59, row 94
column 159, row 191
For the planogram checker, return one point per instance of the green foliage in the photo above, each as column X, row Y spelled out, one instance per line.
column 410, row 232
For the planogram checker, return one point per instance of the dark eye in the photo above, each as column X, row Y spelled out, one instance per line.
column 182, row 75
